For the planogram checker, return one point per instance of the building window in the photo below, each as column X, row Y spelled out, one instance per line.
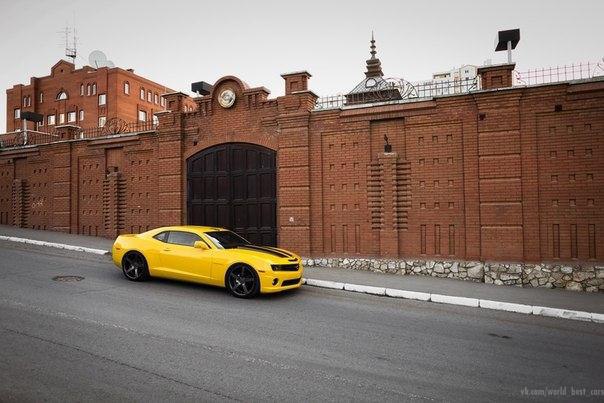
column 126, row 88
column 149, row 96
column 102, row 99
column 156, row 99
column 88, row 90
column 51, row 120
column 142, row 116
column 41, row 123
column 24, row 102
column 81, row 114
column 142, row 93
column 162, row 101
column 94, row 89
column 41, row 97
column 61, row 96
column 17, row 113
column 82, row 90
column 61, row 118
column 102, row 121
column 155, row 120
column 71, row 116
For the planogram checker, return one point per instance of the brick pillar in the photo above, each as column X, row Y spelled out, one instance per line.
column 20, row 203
column 496, row 76
column 175, row 101
column 293, row 162
column 296, row 81
column 171, row 176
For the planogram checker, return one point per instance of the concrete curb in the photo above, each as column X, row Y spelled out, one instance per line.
column 389, row 292
column 54, row 245
column 463, row 301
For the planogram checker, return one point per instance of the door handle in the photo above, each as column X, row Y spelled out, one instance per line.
column 167, row 249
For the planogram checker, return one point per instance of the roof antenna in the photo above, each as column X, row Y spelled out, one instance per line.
column 70, row 48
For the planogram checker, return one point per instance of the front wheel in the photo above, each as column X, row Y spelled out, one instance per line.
column 242, row 281
column 135, row 267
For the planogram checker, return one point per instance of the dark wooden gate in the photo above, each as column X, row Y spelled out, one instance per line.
column 233, row 185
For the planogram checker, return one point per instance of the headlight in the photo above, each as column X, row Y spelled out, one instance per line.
column 286, row 267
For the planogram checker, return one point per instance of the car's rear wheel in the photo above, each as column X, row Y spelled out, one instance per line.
column 134, row 266
column 242, row 281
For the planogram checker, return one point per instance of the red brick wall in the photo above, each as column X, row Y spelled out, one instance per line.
column 513, row 174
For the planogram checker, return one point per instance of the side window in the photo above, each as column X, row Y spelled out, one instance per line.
column 162, row 236
column 183, row 238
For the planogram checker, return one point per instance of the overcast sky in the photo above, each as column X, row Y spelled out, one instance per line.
column 178, row 42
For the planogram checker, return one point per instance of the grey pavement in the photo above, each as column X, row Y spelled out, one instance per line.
column 557, row 298
column 105, row 339
column 57, row 237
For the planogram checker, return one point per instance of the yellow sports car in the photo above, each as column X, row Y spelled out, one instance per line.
column 207, row 255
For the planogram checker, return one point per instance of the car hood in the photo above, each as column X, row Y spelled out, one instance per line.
column 274, row 255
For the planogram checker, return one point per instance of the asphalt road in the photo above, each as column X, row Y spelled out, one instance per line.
column 105, row 338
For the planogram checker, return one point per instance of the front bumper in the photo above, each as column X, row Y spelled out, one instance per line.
column 273, row 281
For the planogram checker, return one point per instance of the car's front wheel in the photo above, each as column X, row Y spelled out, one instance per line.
column 134, row 266
column 242, row 281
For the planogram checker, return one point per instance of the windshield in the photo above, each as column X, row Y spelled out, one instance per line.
column 226, row 239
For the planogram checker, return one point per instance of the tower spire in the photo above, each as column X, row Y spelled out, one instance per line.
column 373, row 52
column 374, row 66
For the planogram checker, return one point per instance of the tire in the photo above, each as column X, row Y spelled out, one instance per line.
column 242, row 281
column 134, row 266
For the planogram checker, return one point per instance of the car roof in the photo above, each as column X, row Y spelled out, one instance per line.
column 190, row 228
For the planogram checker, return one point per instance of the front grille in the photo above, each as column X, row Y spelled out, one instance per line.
column 285, row 267
column 290, row 282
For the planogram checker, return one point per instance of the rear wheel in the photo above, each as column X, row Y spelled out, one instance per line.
column 242, row 281
column 134, row 266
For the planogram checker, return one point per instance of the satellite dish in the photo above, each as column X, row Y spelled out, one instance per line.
column 98, row 59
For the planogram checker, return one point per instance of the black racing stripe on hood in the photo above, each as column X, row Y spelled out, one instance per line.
column 279, row 251
column 263, row 249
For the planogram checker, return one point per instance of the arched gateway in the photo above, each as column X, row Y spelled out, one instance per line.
column 233, row 185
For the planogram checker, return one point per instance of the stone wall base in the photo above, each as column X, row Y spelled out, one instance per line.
column 584, row 277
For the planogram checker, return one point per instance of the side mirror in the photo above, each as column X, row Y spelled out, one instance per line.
column 200, row 245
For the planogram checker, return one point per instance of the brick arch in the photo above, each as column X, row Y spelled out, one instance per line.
column 240, row 83
column 266, row 141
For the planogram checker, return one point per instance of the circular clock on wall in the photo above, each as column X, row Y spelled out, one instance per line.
column 226, row 99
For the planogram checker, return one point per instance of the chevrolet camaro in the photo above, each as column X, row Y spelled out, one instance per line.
column 207, row 255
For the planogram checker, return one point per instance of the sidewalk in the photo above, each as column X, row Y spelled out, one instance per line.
column 556, row 298
column 57, row 237
column 541, row 297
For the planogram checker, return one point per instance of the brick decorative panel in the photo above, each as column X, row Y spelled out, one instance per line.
column 20, row 202
column 374, row 194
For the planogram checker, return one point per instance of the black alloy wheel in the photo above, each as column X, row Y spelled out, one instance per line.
column 242, row 281
column 135, row 267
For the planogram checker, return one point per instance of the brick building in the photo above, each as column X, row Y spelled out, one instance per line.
column 86, row 97
column 497, row 173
